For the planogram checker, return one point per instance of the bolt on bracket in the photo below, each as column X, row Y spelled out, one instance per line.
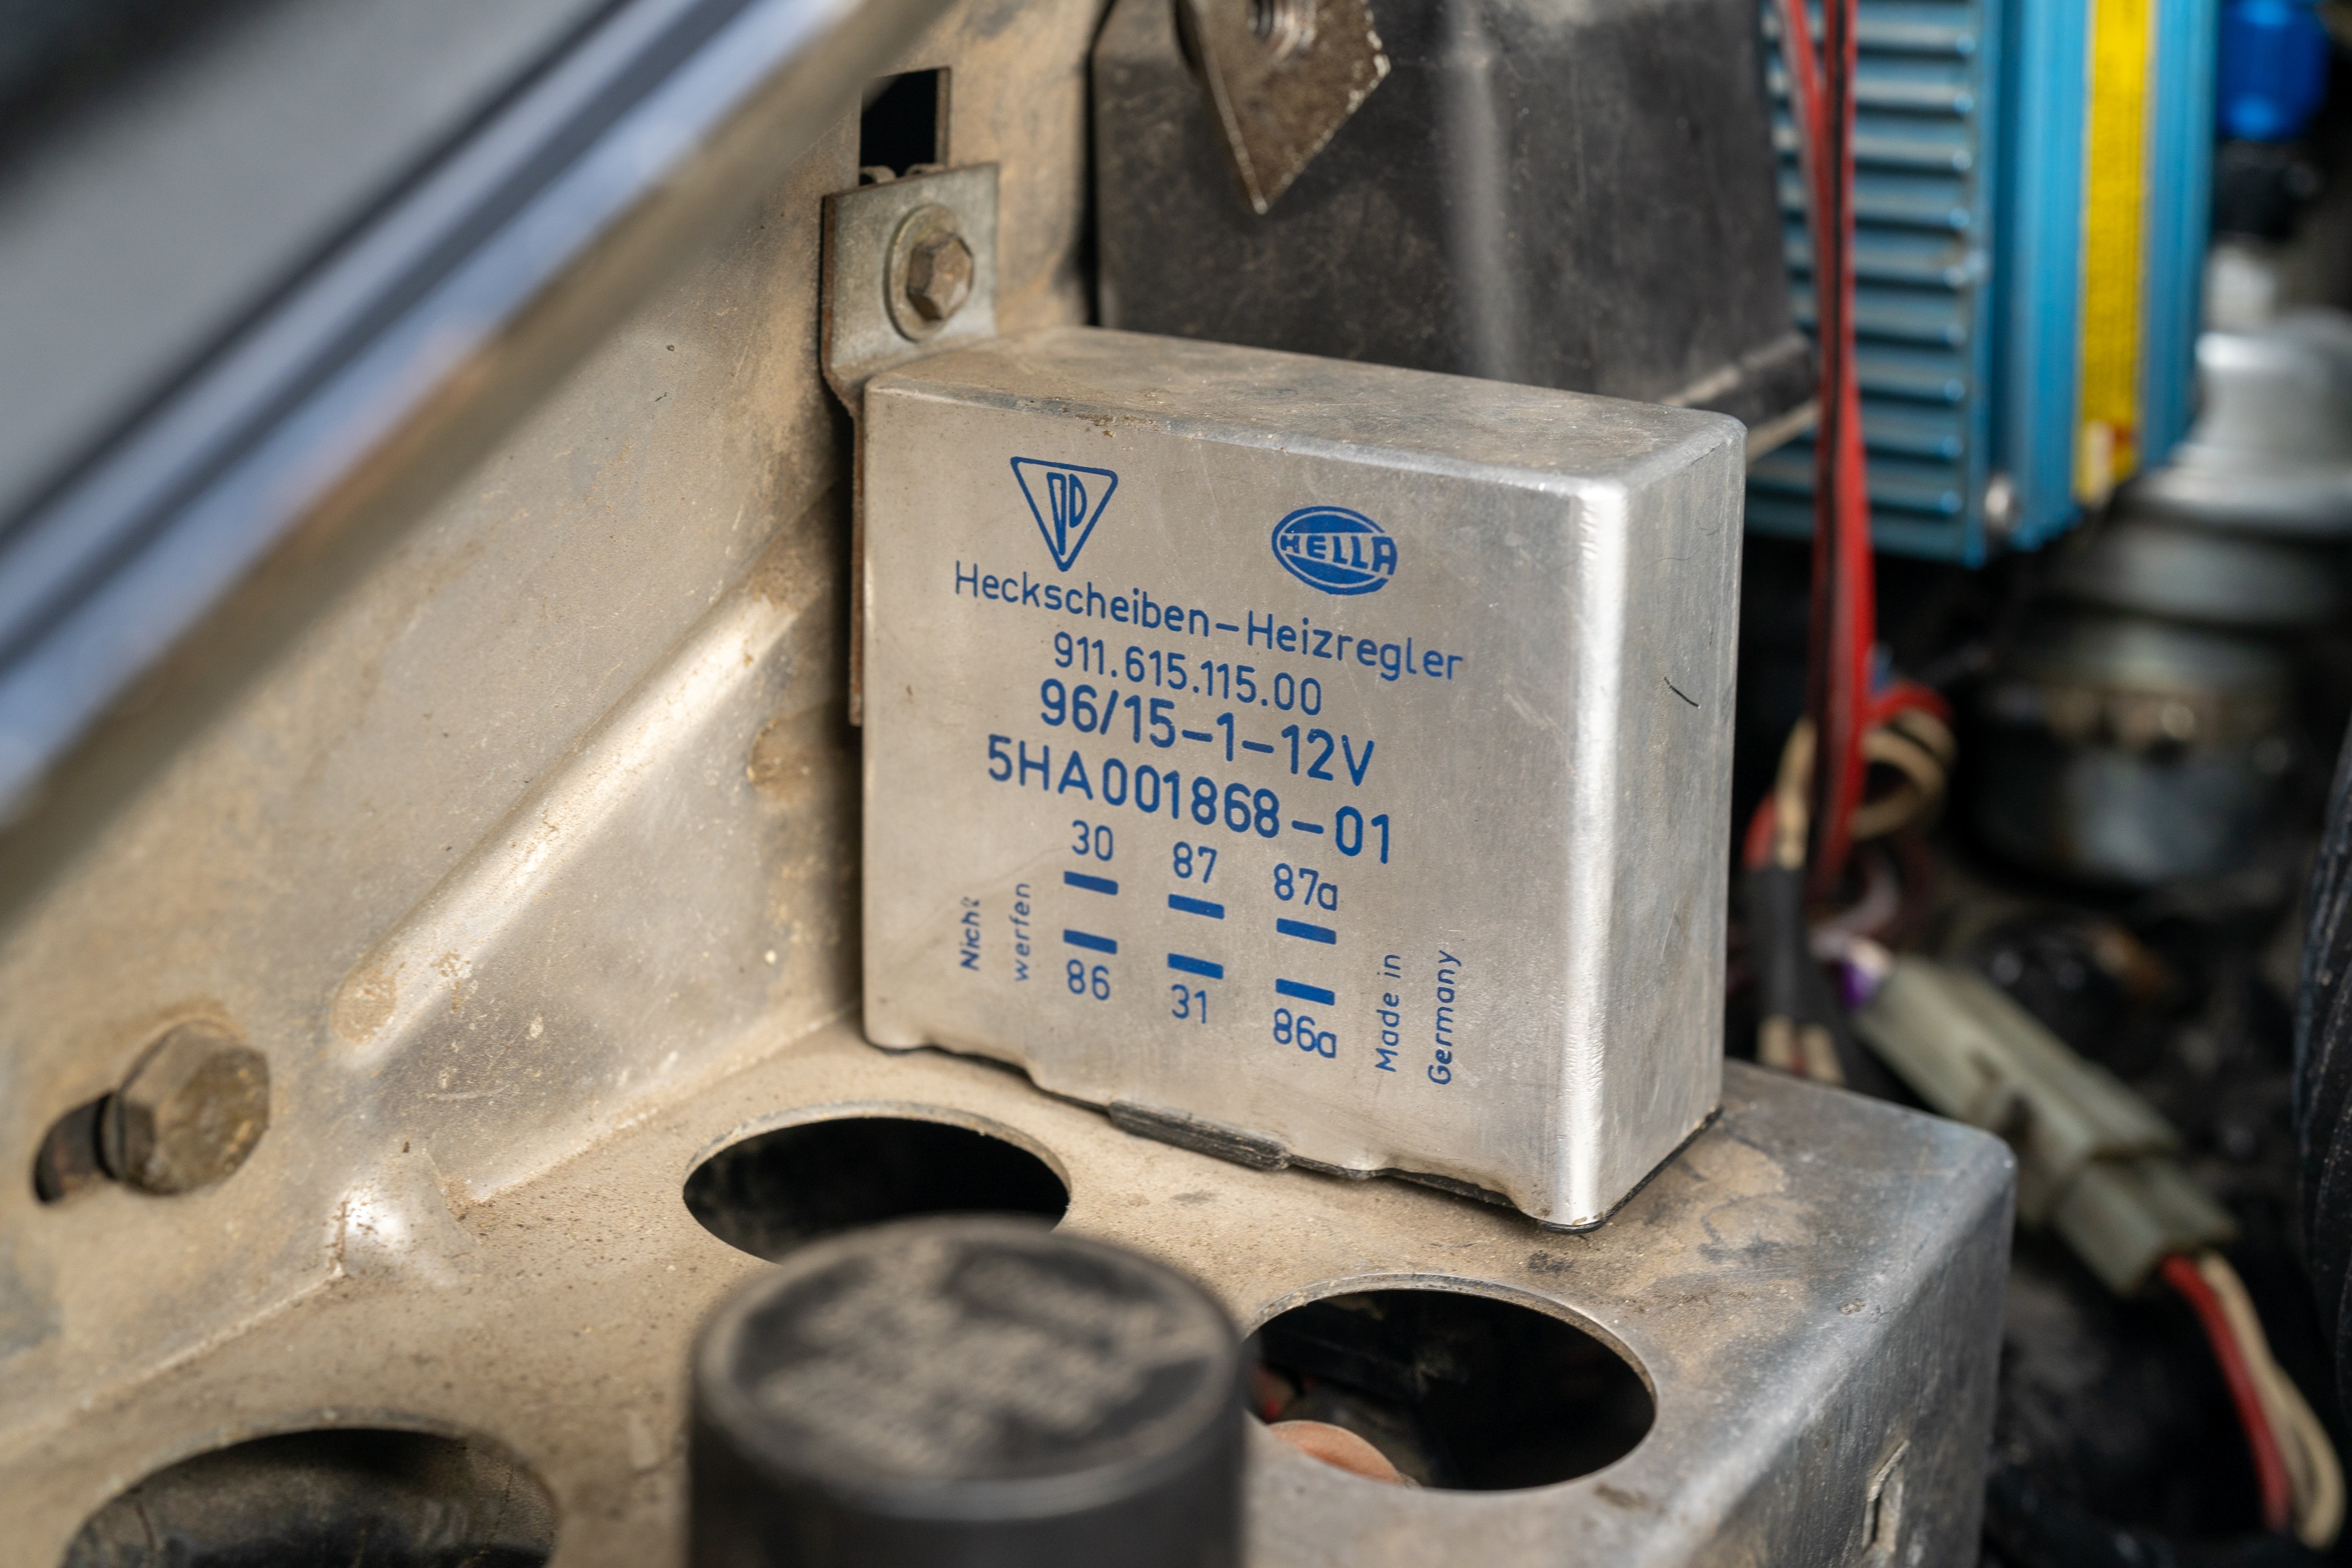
column 910, row 269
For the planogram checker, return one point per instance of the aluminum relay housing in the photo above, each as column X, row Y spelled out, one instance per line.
column 1309, row 762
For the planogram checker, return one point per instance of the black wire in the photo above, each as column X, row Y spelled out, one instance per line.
column 1790, row 985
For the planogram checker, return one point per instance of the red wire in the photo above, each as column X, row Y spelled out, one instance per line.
column 1816, row 162
column 1805, row 105
column 1901, row 694
column 1842, row 527
column 1843, row 618
column 2270, row 1469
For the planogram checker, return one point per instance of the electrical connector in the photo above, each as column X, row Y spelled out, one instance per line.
column 2095, row 1163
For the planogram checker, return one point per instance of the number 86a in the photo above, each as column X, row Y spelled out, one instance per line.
column 1299, row 1030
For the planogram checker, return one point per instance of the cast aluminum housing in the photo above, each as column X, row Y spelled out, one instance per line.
column 1383, row 717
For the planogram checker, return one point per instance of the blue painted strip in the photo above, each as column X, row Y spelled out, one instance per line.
column 1198, row 735
column 1306, row 827
column 1304, row 993
column 1090, row 942
column 1177, row 900
column 1312, row 933
column 1091, row 884
column 1257, row 746
column 1184, row 964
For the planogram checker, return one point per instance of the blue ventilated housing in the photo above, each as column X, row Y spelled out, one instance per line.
column 1970, row 146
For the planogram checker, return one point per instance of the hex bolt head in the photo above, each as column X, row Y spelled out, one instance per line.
column 939, row 276
column 193, row 1106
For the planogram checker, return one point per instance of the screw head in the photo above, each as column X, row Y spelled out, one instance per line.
column 192, row 1109
column 938, row 275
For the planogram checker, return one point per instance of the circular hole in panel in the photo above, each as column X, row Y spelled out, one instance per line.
column 388, row 1499
column 1459, row 1392
column 774, row 1191
column 1284, row 26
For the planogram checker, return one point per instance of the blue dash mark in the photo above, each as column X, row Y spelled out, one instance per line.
column 1184, row 964
column 1091, row 884
column 1184, row 905
column 1090, row 942
column 1198, row 735
column 1256, row 746
column 1312, row 933
column 1306, row 827
column 1303, row 992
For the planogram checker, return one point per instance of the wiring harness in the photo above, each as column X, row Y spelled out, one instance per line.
column 2123, row 1205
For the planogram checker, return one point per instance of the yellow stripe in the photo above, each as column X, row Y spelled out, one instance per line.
column 2106, row 431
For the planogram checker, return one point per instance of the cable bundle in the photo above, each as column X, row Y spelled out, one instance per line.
column 1802, row 836
column 1844, row 614
column 1799, row 842
column 2301, row 1480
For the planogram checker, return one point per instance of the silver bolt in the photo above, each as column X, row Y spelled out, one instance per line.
column 195, row 1104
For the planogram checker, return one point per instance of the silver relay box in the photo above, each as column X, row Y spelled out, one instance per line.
column 1308, row 761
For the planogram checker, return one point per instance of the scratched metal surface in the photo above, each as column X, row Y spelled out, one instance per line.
column 493, row 855
column 1812, row 1289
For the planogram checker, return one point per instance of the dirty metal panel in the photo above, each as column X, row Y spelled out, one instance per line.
column 1812, row 1289
column 528, row 824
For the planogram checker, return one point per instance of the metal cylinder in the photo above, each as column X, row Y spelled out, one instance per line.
column 2131, row 751
column 967, row 1392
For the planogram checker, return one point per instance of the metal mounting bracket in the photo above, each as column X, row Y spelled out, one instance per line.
column 1282, row 77
column 871, row 234
column 874, row 321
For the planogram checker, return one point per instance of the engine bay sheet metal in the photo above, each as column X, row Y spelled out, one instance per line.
column 1312, row 761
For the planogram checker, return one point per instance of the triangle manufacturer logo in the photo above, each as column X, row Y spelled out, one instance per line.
column 1067, row 502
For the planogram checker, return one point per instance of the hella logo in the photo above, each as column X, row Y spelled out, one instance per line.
column 1334, row 549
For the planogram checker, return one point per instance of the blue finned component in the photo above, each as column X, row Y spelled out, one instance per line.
column 1090, row 942
column 2273, row 69
column 1928, row 84
column 1091, row 884
column 1970, row 143
column 2039, row 291
column 1304, row 993
column 1182, row 904
column 1312, row 933
column 1183, row 964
